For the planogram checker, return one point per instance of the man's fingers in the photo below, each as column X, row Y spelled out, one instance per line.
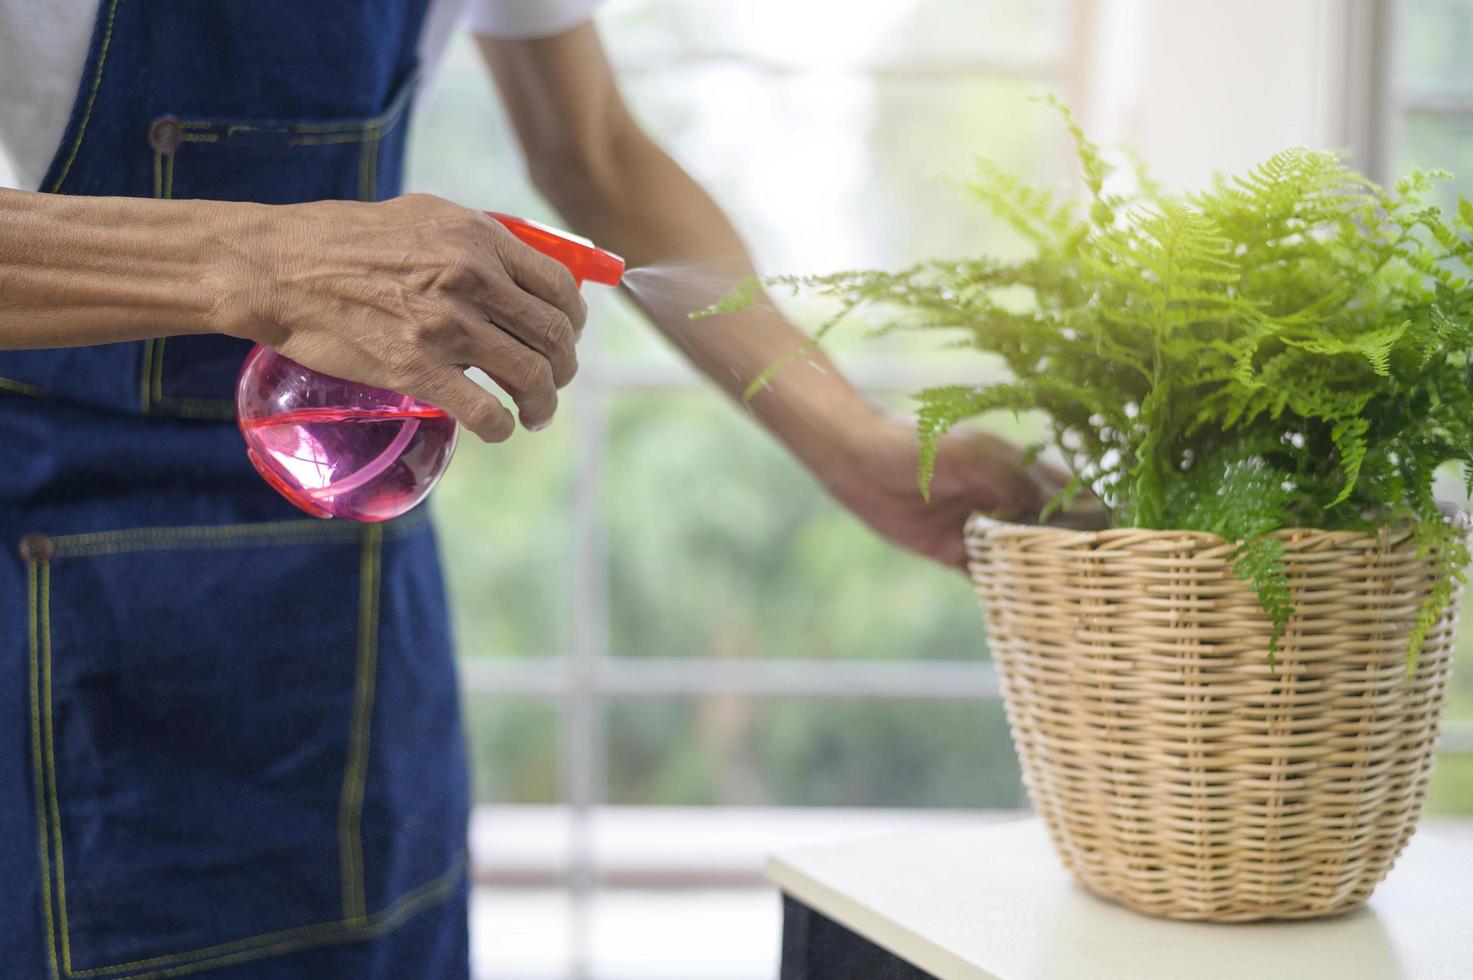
column 545, row 278
column 525, row 374
column 545, row 329
column 473, row 406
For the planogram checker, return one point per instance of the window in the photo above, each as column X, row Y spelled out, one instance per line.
column 655, row 607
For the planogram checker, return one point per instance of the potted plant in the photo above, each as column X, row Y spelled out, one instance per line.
column 1226, row 704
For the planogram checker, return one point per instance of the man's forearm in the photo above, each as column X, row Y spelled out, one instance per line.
column 611, row 182
column 403, row 294
column 94, row 270
column 640, row 203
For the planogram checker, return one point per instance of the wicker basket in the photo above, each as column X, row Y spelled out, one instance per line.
column 1176, row 772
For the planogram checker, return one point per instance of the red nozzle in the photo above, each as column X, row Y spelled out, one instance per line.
column 585, row 260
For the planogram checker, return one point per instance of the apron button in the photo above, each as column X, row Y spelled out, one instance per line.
column 164, row 135
column 36, row 546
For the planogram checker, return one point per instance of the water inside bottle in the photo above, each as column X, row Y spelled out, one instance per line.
column 367, row 463
column 338, row 448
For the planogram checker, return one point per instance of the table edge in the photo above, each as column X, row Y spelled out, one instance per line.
column 871, row 925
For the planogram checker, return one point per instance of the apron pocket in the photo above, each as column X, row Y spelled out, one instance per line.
column 281, row 161
column 266, row 161
column 199, row 729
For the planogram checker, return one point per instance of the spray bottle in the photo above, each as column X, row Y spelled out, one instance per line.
column 336, row 448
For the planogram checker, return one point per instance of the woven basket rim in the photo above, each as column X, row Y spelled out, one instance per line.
column 980, row 525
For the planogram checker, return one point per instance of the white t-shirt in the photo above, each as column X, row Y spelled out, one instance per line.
column 43, row 49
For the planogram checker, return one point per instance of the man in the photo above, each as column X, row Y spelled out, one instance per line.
column 230, row 735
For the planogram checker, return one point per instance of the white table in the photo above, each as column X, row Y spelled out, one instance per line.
column 993, row 902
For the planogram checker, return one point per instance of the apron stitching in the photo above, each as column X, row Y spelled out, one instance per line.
column 21, row 388
column 371, row 132
column 182, row 401
column 373, row 166
column 355, row 131
column 360, row 130
column 362, row 137
column 383, row 121
column 43, row 837
column 363, row 170
column 209, row 409
column 186, row 543
column 219, row 535
column 153, row 351
column 158, row 371
column 143, row 380
column 56, row 843
column 350, row 811
column 107, row 37
column 301, row 937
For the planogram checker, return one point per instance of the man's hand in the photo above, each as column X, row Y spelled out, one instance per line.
column 975, row 471
column 404, row 295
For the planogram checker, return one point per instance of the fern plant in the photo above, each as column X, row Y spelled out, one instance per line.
column 1287, row 348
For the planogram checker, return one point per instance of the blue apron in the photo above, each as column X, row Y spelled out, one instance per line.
column 229, row 735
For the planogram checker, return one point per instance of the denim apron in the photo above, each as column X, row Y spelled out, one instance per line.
column 229, row 734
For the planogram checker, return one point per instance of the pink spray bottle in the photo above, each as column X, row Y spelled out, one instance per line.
column 336, row 448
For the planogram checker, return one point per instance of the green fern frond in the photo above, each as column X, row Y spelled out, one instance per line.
column 1449, row 545
column 1290, row 347
column 939, row 409
column 1260, row 562
column 1349, row 436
